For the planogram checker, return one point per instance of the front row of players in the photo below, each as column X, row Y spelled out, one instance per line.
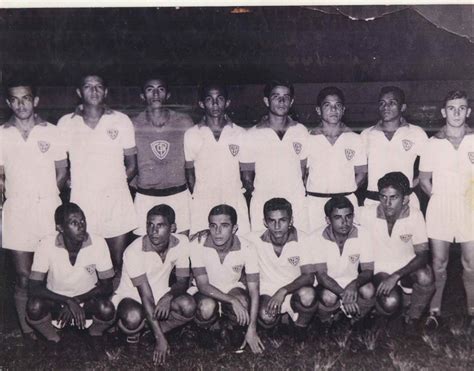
column 280, row 267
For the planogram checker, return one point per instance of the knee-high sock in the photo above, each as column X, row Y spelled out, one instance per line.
column 365, row 305
column 98, row 326
column 420, row 298
column 45, row 328
column 440, row 282
column 324, row 312
column 174, row 320
column 468, row 279
column 21, row 298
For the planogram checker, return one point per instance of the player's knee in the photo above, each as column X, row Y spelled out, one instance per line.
column 367, row 291
column 131, row 314
column 468, row 262
column 266, row 318
column 186, row 305
column 105, row 310
column 306, row 296
column 328, row 298
column 391, row 303
column 36, row 309
column 206, row 309
column 439, row 263
column 424, row 277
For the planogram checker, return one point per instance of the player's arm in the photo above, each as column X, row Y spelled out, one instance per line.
column 190, row 175
column 351, row 291
column 251, row 336
column 360, row 174
column 426, row 182
column 327, row 281
column 103, row 289
column 131, row 166
column 163, row 307
column 62, row 174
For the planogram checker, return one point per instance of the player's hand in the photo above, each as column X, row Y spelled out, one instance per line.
column 351, row 309
column 161, row 350
column 350, row 293
column 387, row 285
column 240, row 312
column 77, row 313
column 162, row 309
column 64, row 317
column 254, row 342
column 201, row 235
column 275, row 302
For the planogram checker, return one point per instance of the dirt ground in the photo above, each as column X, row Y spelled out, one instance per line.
column 390, row 347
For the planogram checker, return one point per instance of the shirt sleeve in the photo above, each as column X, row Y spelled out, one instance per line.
column 1, row 148
column 40, row 266
column 103, row 265
column 190, row 148
column 360, row 152
column 196, row 256
column 133, row 264
column 364, row 137
column 59, row 148
column 367, row 248
column 251, row 260
column 419, row 234
column 182, row 263
column 247, row 153
column 64, row 133
column 422, row 140
column 306, row 255
column 426, row 158
column 303, row 155
column 127, row 136
column 318, row 251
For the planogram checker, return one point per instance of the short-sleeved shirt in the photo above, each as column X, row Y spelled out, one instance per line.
column 226, row 275
column 30, row 165
column 97, row 155
column 408, row 234
column 332, row 166
column 161, row 150
column 141, row 262
column 51, row 259
column 277, row 162
column 397, row 154
column 216, row 162
column 278, row 271
column 453, row 170
column 343, row 268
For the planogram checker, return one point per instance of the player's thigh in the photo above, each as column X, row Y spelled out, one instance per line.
column 22, row 261
column 467, row 255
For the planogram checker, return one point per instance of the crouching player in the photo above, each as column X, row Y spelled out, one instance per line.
column 218, row 263
column 339, row 249
column 144, row 294
column 286, row 269
column 78, row 271
column 401, row 249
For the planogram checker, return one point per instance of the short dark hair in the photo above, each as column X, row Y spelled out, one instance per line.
column 224, row 209
column 277, row 204
column 274, row 83
column 160, row 77
column 396, row 91
column 100, row 76
column 163, row 210
column 62, row 211
column 24, row 82
column 455, row 94
column 330, row 90
column 337, row 202
column 206, row 86
column 396, row 180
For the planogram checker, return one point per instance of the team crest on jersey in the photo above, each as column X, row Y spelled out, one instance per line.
column 294, row 260
column 112, row 133
column 90, row 268
column 237, row 268
column 471, row 156
column 234, row 149
column 407, row 144
column 354, row 258
column 298, row 147
column 160, row 148
column 349, row 153
column 406, row 237
column 43, row 146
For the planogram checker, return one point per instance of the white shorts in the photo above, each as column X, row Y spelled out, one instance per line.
column 201, row 204
column 27, row 220
column 286, row 306
column 108, row 213
column 414, row 202
column 179, row 202
column 316, row 215
column 450, row 217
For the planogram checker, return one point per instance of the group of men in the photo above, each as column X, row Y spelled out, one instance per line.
column 303, row 248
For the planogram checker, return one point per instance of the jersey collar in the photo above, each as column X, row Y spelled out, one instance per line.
column 79, row 111
column 404, row 214
column 441, row 134
column 235, row 243
column 292, row 236
column 60, row 241
column 378, row 125
column 38, row 121
column 318, row 130
column 228, row 122
column 328, row 233
column 265, row 122
column 147, row 245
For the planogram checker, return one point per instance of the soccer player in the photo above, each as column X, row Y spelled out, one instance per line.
column 392, row 144
column 212, row 150
column 340, row 249
column 273, row 157
column 159, row 135
column 78, row 272
column 33, row 169
column 103, row 157
column 144, row 294
column 337, row 163
column 218, row 263
column 401, row 249
column 286, row 268
column 446, row 176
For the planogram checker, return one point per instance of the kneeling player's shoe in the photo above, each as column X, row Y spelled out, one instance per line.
column 432, row 322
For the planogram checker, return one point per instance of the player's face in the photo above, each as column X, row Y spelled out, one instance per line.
column 278, row 223
column 22, row 102
column 158, row 229
column 214, row 103
column 74, row 227
column 155, row 93
column 221, row 229
column 93, row 91
column 390, row 108
column 456, row 111
column 280, row 101
column 341, row 220
column 331, row 109
column 392, row 201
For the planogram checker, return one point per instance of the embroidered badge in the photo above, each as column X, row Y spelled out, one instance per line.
column 407, row 144
column 297, row 147
column 237, row 268
column 90, row 268
column 160, row 148
column 471, row 156
column 234, row 149
column 43, row 146
column 406, row 237
column 294, row 260
column 349, row 153
column 113, row 133
column 354, row 258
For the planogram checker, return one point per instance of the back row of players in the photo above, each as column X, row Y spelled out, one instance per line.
column 192, row 168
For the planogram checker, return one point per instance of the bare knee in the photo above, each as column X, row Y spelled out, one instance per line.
column 186, row 305
column 424, row 276
column 367, row 291
column 131, row 314
column 105, row 310
column 264, row 316
column 306, row 296
column 206, row 308
column 36, row 309
column 328, row 298
column 390, row 303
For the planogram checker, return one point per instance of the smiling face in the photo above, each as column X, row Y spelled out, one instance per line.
column 22, row 102
column 456, row 111
column 279, row 101
column 92, row 91
column 155, row 93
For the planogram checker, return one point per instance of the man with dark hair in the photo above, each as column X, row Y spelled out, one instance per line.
column 392, row 144
column 78, row 272
column 33, row 170
column 401, row 249
column 212, row 149
column 446, row 176
column 143, row 294
column 218, row 264
column 337, row 163
column 274, row 155
column 159, row 134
